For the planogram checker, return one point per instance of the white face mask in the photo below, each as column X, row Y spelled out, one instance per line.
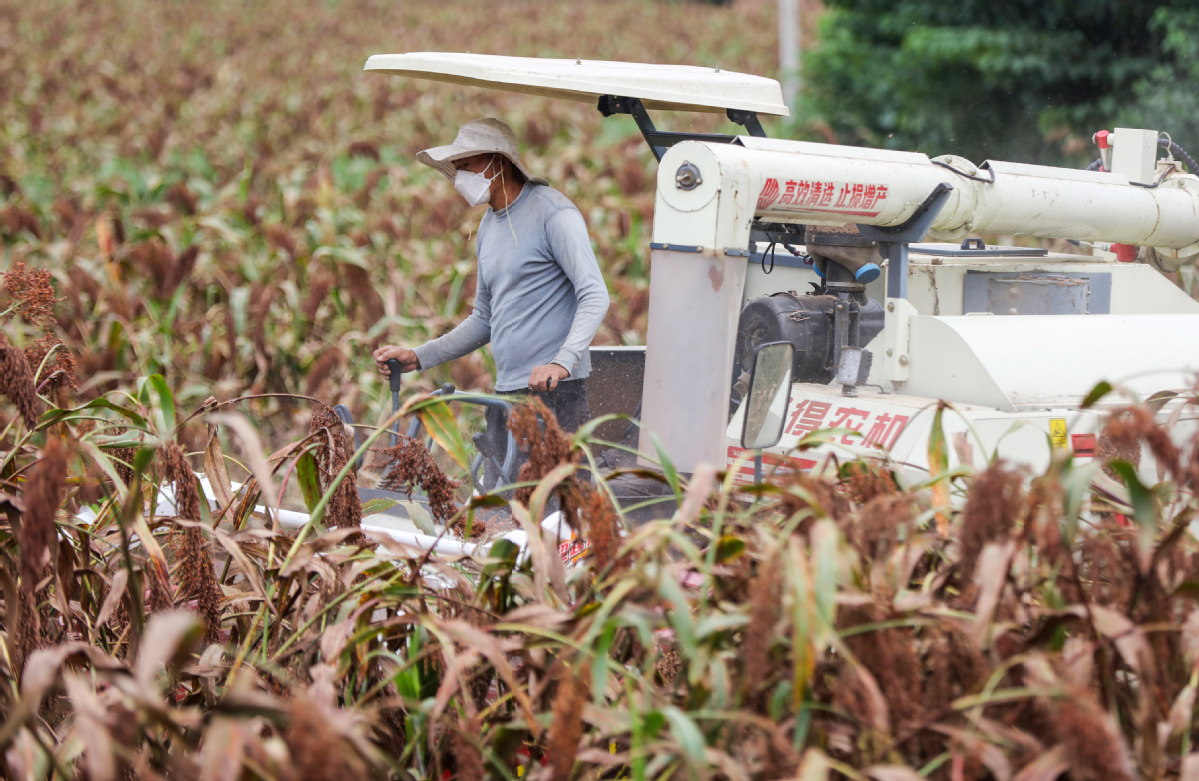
column 475, row 188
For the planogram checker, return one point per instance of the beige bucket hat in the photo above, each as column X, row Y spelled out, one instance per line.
column 477, row 137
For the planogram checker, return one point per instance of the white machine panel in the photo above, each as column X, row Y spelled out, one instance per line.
column 1012, row 363
column 897, row 427
column 1134, row 154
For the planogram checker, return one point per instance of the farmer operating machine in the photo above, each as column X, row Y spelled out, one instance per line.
column 863, row 267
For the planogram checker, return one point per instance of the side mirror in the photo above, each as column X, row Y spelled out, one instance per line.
column 769, row 396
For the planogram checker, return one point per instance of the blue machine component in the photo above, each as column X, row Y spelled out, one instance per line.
column 867, row 273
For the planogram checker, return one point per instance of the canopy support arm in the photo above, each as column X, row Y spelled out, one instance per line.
column 661, row 140
column 748, row 119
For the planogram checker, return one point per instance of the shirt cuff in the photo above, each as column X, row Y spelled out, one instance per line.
column 424, row 358
column 568, row 361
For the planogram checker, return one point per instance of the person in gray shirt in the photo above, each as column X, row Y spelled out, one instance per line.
column 540, row 296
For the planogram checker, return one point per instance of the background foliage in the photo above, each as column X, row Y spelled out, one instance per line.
column 1028, row 80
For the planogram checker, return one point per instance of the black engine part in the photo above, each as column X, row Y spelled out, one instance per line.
column 806, row 322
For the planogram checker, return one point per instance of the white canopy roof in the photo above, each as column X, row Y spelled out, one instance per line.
column 675, row 87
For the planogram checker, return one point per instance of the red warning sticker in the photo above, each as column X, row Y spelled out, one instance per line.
column 1083, row 445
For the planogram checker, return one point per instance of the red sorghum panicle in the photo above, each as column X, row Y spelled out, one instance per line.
column 890, row 657
column 408, row 465
column 318, row 290
column 36, row 538
column 669, row 664
column 536, row 430
column 816, row 498
column 1095, row 749
column 781, row 759
column 466, row 755
column 764, row 606
column 16, row 382
column 42, row 495
column 1126, row 429
column 30, row 293
column 877, row 525
column 59, row 371
column 566, row 728
column 867, row 480
column 197, row 571
column 317, row 748
column 995, row 504
column 322, row 368
column 602, row 527
column 344, row 509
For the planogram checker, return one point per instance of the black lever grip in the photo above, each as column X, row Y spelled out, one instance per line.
column 393, row 366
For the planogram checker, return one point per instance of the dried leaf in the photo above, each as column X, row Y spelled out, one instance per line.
column 962, row 448
column 252, row 447
column 1190, row 768
column 1046, row 767
column 938, row 465
column 893, row 773
column 91, row 727
column 991, row 576
column 169, row 637
column 333, row 640
column 455, row 665
column 221, row 755
column 41, row 671
column 699, row 487
column 1129, row 639
column 880, row 718
column 244, row 565
column 116, row 590
column 813, row 767
column 214, row 469
column 439, row 421
column 494, row 649
column 1180, row 715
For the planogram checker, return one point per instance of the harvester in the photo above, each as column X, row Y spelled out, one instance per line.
column 845, row 288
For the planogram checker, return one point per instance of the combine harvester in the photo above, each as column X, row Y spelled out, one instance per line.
column 840, row 287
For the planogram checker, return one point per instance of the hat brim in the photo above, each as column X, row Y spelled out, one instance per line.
column 442, row 158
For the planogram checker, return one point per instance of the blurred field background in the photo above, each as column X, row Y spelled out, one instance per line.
column 227, row 199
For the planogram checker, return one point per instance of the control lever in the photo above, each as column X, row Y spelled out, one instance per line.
column 393, row 366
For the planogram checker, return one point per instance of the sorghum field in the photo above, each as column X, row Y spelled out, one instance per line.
column 211, row 216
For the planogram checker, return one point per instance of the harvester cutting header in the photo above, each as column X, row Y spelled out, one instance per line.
column 863, row 265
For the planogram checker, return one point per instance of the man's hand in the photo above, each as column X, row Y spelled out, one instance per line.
column 546, row 378
column 406, row 357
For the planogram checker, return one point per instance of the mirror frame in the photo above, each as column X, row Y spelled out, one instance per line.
column 748, row 392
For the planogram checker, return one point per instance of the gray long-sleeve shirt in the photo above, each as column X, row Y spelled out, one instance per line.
column 540, row 296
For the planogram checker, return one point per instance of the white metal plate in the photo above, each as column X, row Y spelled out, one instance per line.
column 673, row 87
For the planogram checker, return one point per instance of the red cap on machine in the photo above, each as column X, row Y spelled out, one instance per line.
column 1125, row 253
column 1101, row 139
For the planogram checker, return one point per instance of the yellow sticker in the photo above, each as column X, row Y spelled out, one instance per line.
column 1057, row 432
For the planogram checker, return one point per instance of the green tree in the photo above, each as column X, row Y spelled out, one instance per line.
column 1022, row 80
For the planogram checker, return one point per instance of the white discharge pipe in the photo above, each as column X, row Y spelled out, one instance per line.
column 799, row 182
